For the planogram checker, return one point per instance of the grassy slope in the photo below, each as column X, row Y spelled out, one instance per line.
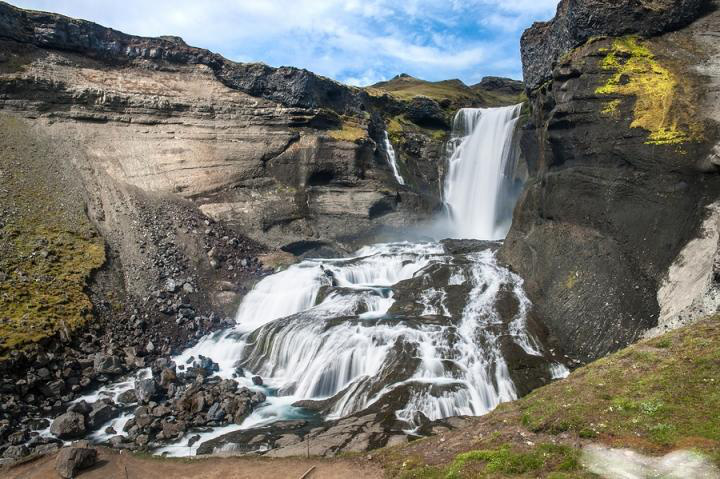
column 48, row 248
column 405, row 88
column 654, row 397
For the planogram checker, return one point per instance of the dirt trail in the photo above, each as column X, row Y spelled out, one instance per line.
column 114, row 465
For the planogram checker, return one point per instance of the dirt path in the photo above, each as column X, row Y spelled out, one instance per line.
column 115, row 465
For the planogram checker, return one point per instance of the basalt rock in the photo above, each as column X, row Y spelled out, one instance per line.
column 618, row 189
column 577, row 21
column 70, row 425
column 71, row 460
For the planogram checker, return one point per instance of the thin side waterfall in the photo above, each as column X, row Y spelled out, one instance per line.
column 392, row 159
column 481, row 147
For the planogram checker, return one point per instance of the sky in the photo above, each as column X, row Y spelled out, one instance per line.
column 359, row 42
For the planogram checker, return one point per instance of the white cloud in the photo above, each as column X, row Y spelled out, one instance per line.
column 357, row 41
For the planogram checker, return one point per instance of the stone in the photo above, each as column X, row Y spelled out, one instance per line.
column 71, row 460
column 107, row 364
column 68, row 426
column 578, row 20
column 145, row 390
column 16, row 452
column 171, row 286
column 101, row 413
column 167, row 377
column 127, row 397
column 257, row 380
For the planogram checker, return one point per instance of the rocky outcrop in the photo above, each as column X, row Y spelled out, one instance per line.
column 619, row 145
column 577, row 21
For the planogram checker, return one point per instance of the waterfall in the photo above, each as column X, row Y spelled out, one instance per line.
column 392, row 159
column 404, row 324
column 481, row 149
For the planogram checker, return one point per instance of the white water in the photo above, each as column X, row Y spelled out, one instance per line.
column 392, row 159
column 480, row 149
column 325, row 328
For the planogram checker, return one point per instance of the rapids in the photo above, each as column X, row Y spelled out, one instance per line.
column 414, row 325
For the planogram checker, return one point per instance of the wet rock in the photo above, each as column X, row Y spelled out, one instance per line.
column 167, row 377
column 107, row 364
column 68, row 426
column 71, row 460
column 257, row 380
column 127, row 397
column 145, row 390
column 102, row 412
column 16, row 452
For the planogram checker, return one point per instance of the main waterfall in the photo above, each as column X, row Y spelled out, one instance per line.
column 430, row 330
column 480, row 165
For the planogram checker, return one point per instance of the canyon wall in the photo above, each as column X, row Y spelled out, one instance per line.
column 621, row 146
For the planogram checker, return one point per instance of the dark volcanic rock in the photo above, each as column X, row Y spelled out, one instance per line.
column 609, row 208
column 578, row 20
column 427, row 113
column 71, row 460
column 68, row 426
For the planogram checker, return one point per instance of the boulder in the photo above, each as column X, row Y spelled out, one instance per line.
column 70, row 460
column 145, row 390
column 107, row 364
column 102, row 412
column 68, row 426
column 15, row 452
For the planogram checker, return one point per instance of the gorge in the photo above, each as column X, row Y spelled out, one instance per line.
column 205, row 257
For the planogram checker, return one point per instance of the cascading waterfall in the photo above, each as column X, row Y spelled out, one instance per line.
column 481, row 147
column 392, row 159
column 409, row 321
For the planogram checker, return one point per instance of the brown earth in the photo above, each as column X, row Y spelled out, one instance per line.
column 121, row 465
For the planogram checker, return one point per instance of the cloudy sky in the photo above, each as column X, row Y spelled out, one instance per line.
column 354, row 41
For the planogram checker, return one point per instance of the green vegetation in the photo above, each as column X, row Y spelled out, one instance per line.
column 507, row 460
column 48, row 248
column 656, row 395
column 661, row 105
column 448, row 93
column 351, row 130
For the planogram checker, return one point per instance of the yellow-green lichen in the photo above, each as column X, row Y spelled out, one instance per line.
column 659, row 107
column 351, row 130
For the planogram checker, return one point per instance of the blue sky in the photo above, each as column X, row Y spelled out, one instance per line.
column 354, row 41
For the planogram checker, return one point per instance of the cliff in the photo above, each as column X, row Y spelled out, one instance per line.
column 616, row 232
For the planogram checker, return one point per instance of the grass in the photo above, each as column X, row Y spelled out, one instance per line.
column 660, row 106
column 452, row 93
column 655, row 396
column 48, row 248
column 350, row 130
column 506, row 460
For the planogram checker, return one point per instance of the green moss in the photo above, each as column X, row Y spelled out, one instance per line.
column 48, row 248
column 351, row 130
column 572, row 280
column 658, row 394
column 505, row 460
column 659, row 104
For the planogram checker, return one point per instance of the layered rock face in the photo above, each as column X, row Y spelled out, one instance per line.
column 283, row 154
column 620, row 145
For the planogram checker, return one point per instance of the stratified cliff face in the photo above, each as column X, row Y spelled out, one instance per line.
column 616, row 231
column 283, row 154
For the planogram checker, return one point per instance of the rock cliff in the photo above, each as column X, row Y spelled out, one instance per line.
column 616, row 231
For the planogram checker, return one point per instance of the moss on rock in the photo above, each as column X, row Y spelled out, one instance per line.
column 48, row 247
column 659, row 106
